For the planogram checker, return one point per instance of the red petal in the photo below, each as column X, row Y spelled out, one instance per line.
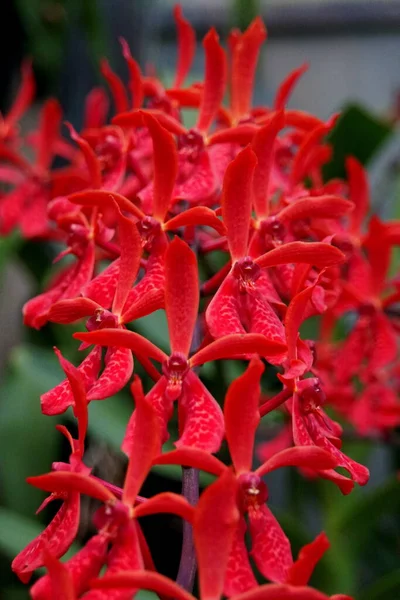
column 50, row 120
column 96, row 108
column 201, row 422
column 322, row 207
column 77, row 383
column 181, row 294
column 135, row 76
column 147, row 303
column 294, row 318
column 146, row 580
column 263, row 319
column 301, row 571
column 384, row 350
column 201, row 184
column 216, row 520
column 214, row 80
column 145, row 444
column 117, row 372
column 239, row 575
column 62, row 481
column 186, row 46
column 270, row 546
column 59, row 398
column 123, row 339
column 129, row 262
column 25, row 94
column 263, row 146
column 163, row 407
column 222, row 314
column 198, row 215
column 318, row 254
column 244, row 64
column 165, row 157
column 116, row 86
column 60, row 579
column 242, row 416
column 237, row 200
column 231, row 346
column 83, row 567
column 68, row 311
column 300, row 456
column 286, row 87
column 104, row 199
column 134, row 119
column 285, row 592
column 358, row 192
column 57, row 538
column 191, row 457
column 166, row 502
column 92, row 163
column 241, row 134
column 102, row 287
column 301, row 160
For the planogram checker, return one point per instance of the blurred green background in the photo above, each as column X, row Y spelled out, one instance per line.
column 353, row 50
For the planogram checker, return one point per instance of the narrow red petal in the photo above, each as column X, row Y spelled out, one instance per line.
column 239, row 575
column 214, row 80
column 166, row 502
column 50, row 121
column 165, row 157
column 25, row 94
column 61, row 581
column 104, row 199
column 300, row 456
column 198, row 215
column 286, row 88
column 236, row 201
column 186, row 46
column 358, row 192
column 123, row 339
column 242, row 415
column 129, row 263
column 181, row 294
column 263, row 146
column 116, row 86
column 237, row 344
column 62, row 481
column 214, row 528
column 322, row 207
column 145, row 580
column 135, row 76
column 302, row 569
column 134, row 118
column 145, row 444
column 294, row 317
column 244, row 65
column 317, row 254
column 147, row 303
column 68, row 311
column 191, row 457
column 92, row 164
column 222, row 314
column 117, row 372
column 96, row 108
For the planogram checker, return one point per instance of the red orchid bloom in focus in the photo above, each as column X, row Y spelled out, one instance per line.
column 117, row 519
column 201, row 422
column 215, row 522
column 245, row 299
column 270, row 547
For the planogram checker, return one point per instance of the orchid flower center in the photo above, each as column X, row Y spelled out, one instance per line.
column 246, row 271
column 273, row 231
column 175, row 369
column 101, row 319
column 252, row 491
column 190, row 145
column 312, row 397
column 149, row 228
column 111, row 517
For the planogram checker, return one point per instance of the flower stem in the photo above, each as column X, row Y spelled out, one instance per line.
column 188, row 563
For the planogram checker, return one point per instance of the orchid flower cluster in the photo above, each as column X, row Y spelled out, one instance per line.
column 140, row 204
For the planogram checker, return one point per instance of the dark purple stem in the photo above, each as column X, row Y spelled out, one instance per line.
column 188, row 563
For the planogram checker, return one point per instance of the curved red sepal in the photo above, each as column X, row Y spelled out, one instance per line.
column 181, row 294
column 318, row 254
column 214, row 80
column 166, row 502
column 186, row 46
column 237, row 344
column 358, row 192
column 242, row 415
column 310, row 457
column 198, row 215
column 191, row 457
column 135, row 76
column 236, row 201
column 316, row 207
column 64, row 481
column 285, row 89
column 302, row 569
column 116, row 86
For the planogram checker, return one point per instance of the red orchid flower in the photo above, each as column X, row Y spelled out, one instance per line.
column 117, row 520
column 215, row 521
column 60, row 533
column 9, row 124
column 270, row 547
column 243, row 301
column 178, row 381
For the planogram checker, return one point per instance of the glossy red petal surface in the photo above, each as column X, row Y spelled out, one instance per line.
column 122, row 338
column 236, row 344
column 201, row 421
column 104, row 199
column 145, row 444
column 214, row 528
column 117, row 372
column 214, row 80
column 166, row 502
column 181, row 294
column 270, row 546
column 68, row 311
column 318, row 254
column 239, row 575
column 236, row 201
column 299, row 456
column 318, row 207
column 198, row 215
column 242, row 415
column 188, row 456
column 63, row 481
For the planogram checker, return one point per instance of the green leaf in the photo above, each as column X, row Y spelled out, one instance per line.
column 357, row 133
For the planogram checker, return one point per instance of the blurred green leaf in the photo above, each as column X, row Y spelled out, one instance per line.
column 8, row 246
column 357, row 133
column 28, row 440
column 386, row 588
